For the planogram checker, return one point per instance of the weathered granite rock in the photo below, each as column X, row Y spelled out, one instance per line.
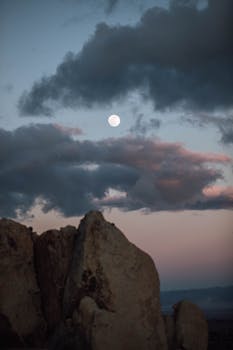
column 98, row 292
column 53, row 253
column 112, row 290
column 20, row 302
column 190, row 327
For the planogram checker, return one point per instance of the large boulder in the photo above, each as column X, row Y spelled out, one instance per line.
column 112, row 290
column 53, row 253
column 191, row 327
column 20, row 303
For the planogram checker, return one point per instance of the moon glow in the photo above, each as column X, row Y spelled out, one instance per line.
column 114, row 120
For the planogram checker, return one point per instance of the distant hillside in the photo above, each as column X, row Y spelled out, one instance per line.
column 216, row 302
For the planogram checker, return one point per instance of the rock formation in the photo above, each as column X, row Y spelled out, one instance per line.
column 20, row 303
column 98, row 292
column 116, row 287
column 187, row 328
column 191, row 328
column 53, row 253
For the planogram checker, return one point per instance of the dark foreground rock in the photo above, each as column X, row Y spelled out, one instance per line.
column 169, row 324
column 20, row 302
column 53, row 254
column 86, row 289
column 220, row 334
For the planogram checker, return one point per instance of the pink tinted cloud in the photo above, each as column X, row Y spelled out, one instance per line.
column 218, row 191
column 198, row 157
column 148, row 154
column 68, row 130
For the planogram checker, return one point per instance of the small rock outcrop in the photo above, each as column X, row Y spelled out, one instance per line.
column 187, row 328
column 53, row 254
column 114, row 287
column 87, row 289
column 20, row 302
column 190, row 327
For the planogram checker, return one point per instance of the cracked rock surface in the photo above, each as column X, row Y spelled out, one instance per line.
column 53, row 254
column 115, row 288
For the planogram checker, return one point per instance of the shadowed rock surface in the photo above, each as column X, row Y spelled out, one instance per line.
column 20, row 302
column 8, row 337
column 220, row 334
column 169, row 323
column 53, row 253
column 98, row 292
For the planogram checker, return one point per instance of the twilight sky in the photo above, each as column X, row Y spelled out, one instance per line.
column 164, row 176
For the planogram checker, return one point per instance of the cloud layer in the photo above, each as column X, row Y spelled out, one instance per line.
column 142, row 127
column 223, row 123
column 71, row 176
column 181, row 56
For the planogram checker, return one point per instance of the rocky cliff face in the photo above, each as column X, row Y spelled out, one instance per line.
column 86, row 289
column 115, row 288
column 53, row 254
column 20, row 301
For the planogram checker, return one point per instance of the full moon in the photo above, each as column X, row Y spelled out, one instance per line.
column 114, row 120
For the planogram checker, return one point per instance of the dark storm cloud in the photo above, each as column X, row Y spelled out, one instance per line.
column 143, row 127
column 223, row 123
column 71, row 176
column 181, row 56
